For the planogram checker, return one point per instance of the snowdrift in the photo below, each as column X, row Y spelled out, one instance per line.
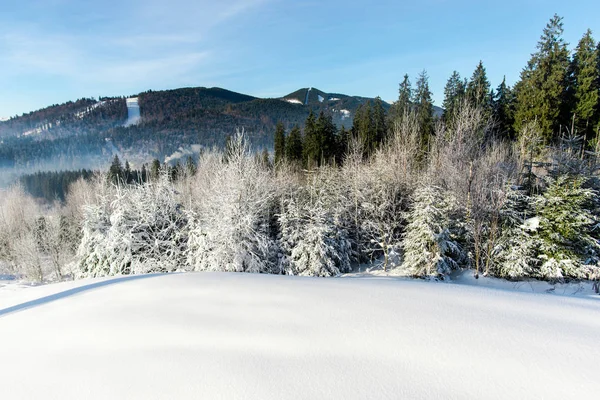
column 250, row 336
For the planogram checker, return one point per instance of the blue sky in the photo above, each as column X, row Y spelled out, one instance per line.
column 52, row 51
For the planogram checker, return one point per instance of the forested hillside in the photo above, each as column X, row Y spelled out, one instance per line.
column 87, row 133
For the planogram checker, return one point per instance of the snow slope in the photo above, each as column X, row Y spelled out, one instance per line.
column 133, row 111
column 244, row 336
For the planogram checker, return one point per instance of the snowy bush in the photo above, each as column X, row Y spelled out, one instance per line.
column 311, row 241
column 142, row 230
column 231, row 215
column 429, row 249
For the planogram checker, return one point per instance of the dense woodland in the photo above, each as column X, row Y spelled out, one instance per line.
column 505, row 183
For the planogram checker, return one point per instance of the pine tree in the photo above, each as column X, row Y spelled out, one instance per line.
column 586, row 89
column 363, row 128
column 503, row 109
column 478, row 89
column 127, row 175
column 424, row 108
column 279, row 145
column 293, row 146
column 564, row 228
column 312, row 243
column 311, row 146
column 326, row 134
column 155, row 169
column 453, row 94
column 515, row 256
column 115, row 172
column 542, row 89
column 342, row 141
column 403, row 104
column 429, row 249
column 379, row 119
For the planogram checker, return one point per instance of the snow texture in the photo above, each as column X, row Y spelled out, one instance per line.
column 256, row 336
column 294, row 101
column 133, row 111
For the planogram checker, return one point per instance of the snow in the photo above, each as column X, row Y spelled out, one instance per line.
column 334, row 99
column 294, row 101
column 133, row 111
column 2, row 119
column 321, row 98
column 345, row 113
column 256, row 336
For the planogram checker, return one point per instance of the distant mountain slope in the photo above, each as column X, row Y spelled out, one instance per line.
column 87, row 132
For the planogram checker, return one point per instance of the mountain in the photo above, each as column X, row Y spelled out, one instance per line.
column 86, row 133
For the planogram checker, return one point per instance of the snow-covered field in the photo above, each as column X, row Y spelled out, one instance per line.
column 250, row 336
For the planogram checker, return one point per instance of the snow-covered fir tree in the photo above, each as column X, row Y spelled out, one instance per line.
column 311, row 241
column 515, row 255
column 429, row 249
column 567, row 249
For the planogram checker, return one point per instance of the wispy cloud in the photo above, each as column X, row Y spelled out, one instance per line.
column 148, row 43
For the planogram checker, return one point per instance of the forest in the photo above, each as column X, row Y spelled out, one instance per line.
column 504, row 183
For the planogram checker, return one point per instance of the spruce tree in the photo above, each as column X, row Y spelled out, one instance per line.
column 127, row 175
column 379, row 119
column 115, row 172
column 279, row 145
column 364, row 128
column 343, row 139
column 155, row 170
column 403, row 104
column 293, row 146
column 453, row 94
column 585, row 71
column 429, row 249
column 564, row 228
column 503, row 109
column 542, row 89
column 424, row 108
column 326, row 133
column 478, row 88
column 311, row 146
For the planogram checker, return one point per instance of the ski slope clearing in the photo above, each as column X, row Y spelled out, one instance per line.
column 234, row 336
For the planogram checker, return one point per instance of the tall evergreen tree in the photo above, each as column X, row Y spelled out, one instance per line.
column 364, row 128
column 326, row 133
column 503, row 109
column 405, row 95
column 453, row 94
column 279, row 145
column 585, row 70
column 379, row 119
column 127, row 175
column 115, row 172
column 542, row 88
column 311, row 146
column 403, row 104
column 478, row 88
column 293, row 146
column 155, row 169
column 343, row 138
column 424, row 108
